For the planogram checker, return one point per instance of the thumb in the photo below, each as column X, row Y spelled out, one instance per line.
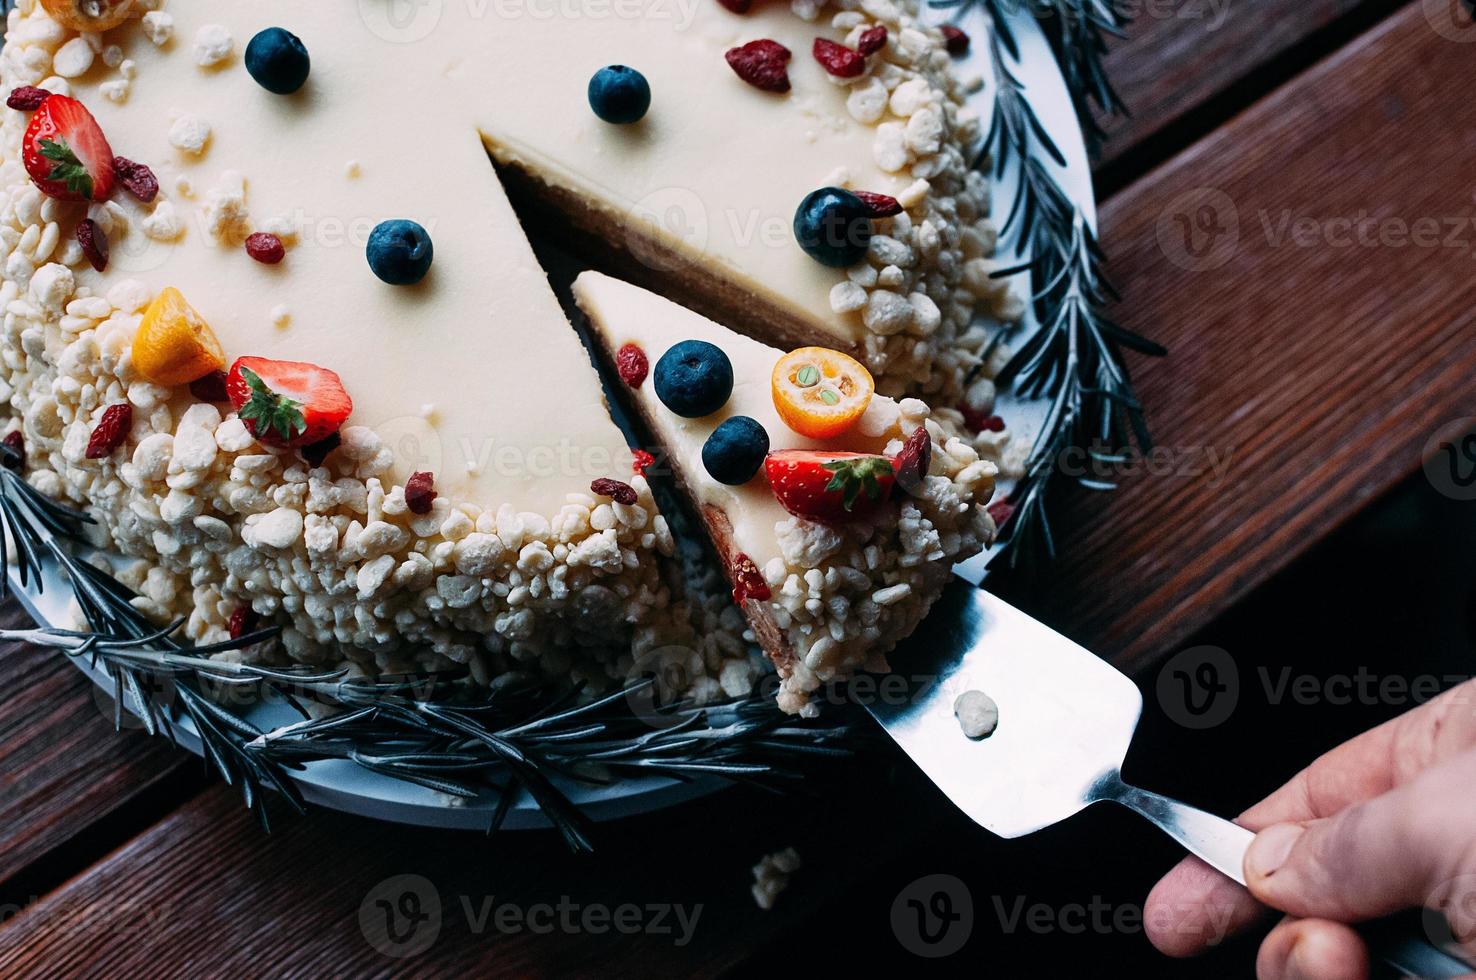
column 1413, row 846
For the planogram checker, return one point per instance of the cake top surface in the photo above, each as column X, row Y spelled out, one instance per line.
column 473, row 373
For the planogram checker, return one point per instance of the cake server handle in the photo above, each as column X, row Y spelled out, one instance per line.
column 1222, row 845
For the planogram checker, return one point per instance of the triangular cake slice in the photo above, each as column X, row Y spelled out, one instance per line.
column 834, row 598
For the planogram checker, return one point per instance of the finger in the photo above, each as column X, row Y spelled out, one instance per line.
column 1195, row 907
column 1373, row 763
column 1396, row 851
column 1312, row 949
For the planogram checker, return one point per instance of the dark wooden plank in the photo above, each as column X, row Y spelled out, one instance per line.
column 207, row 893
column 1179, row 55
column 62, row 767
column 1320, row 365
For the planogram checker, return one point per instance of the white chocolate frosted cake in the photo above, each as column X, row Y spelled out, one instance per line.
column 270, row 318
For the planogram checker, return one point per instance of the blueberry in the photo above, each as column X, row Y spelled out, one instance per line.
column 694, row 379
column 618, row 94
column 400, row 252
column 735, row 450
column 833, row 226
column 278, row 61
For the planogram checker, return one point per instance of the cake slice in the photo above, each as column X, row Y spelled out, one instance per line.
column 825, row 596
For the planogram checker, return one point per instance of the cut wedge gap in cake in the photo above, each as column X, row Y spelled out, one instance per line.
column 832, row 592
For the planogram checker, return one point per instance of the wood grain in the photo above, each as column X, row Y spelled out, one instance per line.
column 1321, row 366
column 62, row 767
column 1178, row 55
column 207, row 893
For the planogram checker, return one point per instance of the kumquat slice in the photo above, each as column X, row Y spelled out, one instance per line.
column 820, row 393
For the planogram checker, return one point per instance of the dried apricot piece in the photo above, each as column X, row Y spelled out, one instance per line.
column 174, row 345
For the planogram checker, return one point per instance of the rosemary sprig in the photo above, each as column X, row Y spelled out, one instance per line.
column 1075, row 357
column 432, row 730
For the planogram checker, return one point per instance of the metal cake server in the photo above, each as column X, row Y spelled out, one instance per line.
column 1066, row 718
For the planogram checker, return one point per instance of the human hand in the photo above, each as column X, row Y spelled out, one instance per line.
column 1384, row 822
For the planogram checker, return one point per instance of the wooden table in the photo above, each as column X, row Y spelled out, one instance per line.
column 1316, row 348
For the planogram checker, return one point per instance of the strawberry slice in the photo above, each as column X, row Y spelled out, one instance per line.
column 827, row 487
column 287, row 403
column 66, row 153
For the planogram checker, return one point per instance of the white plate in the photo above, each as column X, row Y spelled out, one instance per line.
column 342, row 785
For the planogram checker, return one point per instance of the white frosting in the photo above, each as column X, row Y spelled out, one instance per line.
column 405, row 99
column 520, row 414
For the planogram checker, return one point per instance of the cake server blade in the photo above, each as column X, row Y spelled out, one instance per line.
column 1066, row 718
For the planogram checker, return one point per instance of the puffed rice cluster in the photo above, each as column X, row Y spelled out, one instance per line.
column 844, row 593
column 927, row 271
column 333, row 551
column 214, row 521
column 217, row 521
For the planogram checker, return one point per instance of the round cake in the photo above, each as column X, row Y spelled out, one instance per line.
column 272, row 321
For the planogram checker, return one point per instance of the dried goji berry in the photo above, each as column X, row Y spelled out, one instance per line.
column 137, row 178
column 913, row 461
column 27, row 98
column 420, row 492
column 762, row 64
column 243, row 621
column 621, row 493
column 16, row 443
column 94, row 243
column 111, row 431
column 265, row 248
column 872, row 40
column 211, row 388
column 955, row 40
column 838, row 59
column 631, row 364
column 880, row 205
column 316, row 452
column 748, row 581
